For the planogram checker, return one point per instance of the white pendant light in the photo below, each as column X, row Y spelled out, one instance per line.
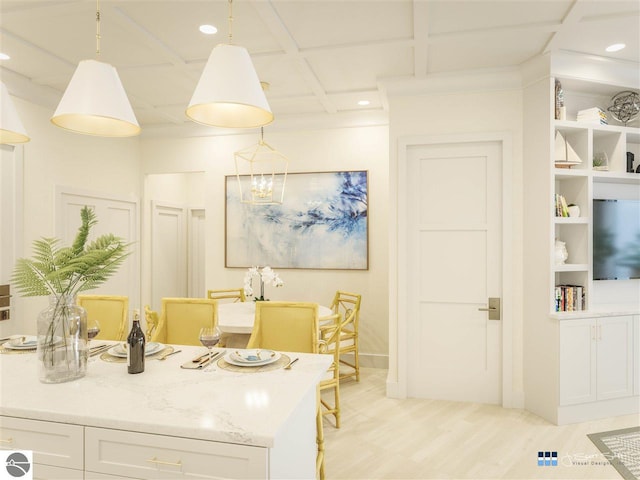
column 11, row 128
column 95, row 102
column 229, row 93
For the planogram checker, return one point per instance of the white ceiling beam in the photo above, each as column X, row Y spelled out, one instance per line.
column 491, row 31
column 189, row 77
column 33, row 46
column 420, row 38
column 572, row 18
column 274, row 23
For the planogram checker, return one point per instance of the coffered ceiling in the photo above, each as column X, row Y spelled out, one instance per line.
column 320, row 57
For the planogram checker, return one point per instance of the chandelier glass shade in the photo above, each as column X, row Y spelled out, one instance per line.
column 262, row 174
column 95, row 103
column 11, row 128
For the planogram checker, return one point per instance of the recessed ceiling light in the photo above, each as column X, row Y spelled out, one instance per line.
column 4, row 56
column 363, row 103
column 208, row 29
column 615, row 47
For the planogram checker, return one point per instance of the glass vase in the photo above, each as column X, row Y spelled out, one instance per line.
column 62, row 341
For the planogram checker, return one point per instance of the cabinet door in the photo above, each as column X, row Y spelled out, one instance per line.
column 48, row 472
column 147, row 456
column 55, row 444
column 577, row 361
column 615, row 357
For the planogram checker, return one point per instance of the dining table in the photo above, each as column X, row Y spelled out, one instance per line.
column 167, row 422
column 238, row 318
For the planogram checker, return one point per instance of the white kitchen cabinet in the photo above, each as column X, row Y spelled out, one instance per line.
column 141, row 455
column 57, row 447
column 49, row 472
column 596, row 359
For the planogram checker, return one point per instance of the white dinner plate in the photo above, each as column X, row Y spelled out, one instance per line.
column 249, row 358
column 120, row 349
column 29, row 343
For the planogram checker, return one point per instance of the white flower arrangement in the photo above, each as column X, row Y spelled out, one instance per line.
column 266, row 275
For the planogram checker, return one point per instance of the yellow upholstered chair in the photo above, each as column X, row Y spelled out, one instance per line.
column 293, row 327
column 111, row 311
column 182, row 318
column 152, row 320
column 233, row 295
column 348, row 304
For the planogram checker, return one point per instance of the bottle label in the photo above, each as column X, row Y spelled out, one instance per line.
column 128, row 354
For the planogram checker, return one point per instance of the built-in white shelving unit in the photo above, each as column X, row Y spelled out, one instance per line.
column 559, row 346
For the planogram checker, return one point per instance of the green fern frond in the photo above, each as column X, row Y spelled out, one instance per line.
column 88, row 217
column 69, row 270
column 29, row 280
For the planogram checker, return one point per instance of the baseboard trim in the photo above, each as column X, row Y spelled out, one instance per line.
column 369, row 360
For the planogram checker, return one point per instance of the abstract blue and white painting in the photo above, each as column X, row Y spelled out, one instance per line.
column 322, row 224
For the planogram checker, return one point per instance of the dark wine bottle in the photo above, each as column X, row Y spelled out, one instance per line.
column 135, row 346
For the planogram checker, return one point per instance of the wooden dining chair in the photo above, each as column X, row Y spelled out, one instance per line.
column 348, row 304
column 294, row 327
column 233, row 295
column 111, row 311
column 182, row 318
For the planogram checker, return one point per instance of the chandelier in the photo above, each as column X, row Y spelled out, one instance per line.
column 262, row 173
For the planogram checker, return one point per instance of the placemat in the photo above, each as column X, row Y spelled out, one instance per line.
column 281, row 362
column 107, row 357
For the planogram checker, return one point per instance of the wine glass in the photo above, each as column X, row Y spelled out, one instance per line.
column 210, row 337
column 93, row 329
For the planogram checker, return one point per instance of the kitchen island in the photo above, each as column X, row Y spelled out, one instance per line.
column 166, row 422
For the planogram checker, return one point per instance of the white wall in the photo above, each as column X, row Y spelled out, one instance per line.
column 54, row 158
column 363, row 148
column 461, row 113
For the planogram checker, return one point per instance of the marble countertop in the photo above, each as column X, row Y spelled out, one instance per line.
column 599, row 311
column 234, row 407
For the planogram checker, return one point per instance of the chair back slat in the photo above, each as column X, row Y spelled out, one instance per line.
column 233, row 294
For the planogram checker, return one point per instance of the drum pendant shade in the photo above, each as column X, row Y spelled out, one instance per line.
column 229, row 93
column 95, row 103
column 11, row 128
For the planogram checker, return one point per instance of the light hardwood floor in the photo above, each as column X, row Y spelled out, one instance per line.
column 384, row 438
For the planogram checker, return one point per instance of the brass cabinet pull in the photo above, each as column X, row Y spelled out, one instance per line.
column 162, row 462
column 8, row 441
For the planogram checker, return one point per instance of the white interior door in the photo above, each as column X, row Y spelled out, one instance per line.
column 196, row 236
column 168, row 252
column 454, row 236
column 115, row 215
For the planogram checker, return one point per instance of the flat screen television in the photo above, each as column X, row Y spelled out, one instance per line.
column 616, row 239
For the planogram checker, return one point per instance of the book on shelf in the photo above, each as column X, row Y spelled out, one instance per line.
column 561, row 207
column 570, row 298
column 593, row 115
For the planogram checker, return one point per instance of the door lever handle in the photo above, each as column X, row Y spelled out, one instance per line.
column 493, row 308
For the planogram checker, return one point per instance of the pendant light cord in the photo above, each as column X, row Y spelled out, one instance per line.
column 230, row 21
column 97, row 28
